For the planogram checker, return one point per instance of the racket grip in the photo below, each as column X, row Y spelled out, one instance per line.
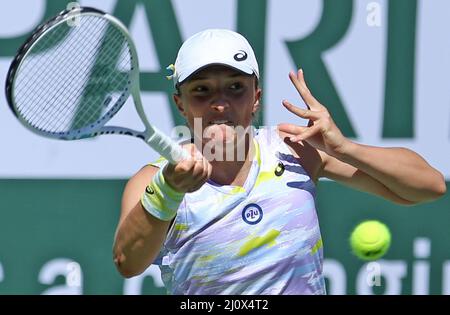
column 165, row 146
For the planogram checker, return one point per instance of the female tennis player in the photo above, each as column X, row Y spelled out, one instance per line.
column 239, row 216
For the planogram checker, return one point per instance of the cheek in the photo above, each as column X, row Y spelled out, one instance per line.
column 194, row 111
column 246, row 107
column 191, row 109
column 244, row 118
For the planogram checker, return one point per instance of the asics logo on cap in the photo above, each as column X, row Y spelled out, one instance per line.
column 240, row 56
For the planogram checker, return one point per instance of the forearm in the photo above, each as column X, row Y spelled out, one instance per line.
column 401, row 170
column 138, row 241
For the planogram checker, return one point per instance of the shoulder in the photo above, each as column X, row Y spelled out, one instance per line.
column 310, row 158
column 143, row 177
column 134, row 189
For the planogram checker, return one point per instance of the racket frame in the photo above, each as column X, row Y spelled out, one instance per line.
column 151, row 135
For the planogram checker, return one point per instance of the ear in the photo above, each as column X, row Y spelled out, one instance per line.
column 179, row 103
column 256, row 104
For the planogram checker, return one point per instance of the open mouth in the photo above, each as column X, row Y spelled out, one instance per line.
column 221, row 122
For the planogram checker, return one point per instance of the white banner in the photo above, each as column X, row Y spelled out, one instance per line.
column 356, row 64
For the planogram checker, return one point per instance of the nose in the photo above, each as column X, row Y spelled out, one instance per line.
column 220, row 105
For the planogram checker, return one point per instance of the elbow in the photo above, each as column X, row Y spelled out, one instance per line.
column 438, row 188
column 127, row 273
column 433, row 192
column 441, row 187
column 123, row 268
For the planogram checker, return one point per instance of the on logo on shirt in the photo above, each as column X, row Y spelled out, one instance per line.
column 252, row 214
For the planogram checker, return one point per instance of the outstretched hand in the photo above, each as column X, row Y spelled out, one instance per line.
column 321, row 132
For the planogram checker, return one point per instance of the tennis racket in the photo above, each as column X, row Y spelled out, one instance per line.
column 74, row 73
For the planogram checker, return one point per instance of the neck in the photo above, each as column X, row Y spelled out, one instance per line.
column 234, row 171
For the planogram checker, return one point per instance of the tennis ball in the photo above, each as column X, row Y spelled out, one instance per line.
column 370, row 240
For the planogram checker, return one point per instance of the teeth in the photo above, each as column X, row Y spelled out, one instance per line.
column 218, row 122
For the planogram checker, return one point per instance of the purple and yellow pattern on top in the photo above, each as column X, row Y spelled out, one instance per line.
column 262, row 238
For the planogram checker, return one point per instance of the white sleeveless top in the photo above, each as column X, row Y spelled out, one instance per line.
column 262, row 238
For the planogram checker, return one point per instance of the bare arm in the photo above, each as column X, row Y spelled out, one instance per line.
column 402, row 171
column 397, row 174
column 319, row 164
column 139, row 235
column 353, row 177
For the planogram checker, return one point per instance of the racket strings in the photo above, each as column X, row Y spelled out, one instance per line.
column 115, row 84
column 37, row 61
column 90, row 115
column 65, row 87
column 43, row 96
column 36, row 64
column 90, row 108
column 105, row 88
column 35, row 113
column 90, row 112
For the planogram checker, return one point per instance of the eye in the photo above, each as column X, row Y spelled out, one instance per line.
column 199, row 89
column 236, row 86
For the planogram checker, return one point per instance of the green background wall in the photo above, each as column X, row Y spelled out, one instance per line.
column 41, row 220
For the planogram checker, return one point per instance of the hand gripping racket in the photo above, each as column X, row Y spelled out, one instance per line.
column 74, row 73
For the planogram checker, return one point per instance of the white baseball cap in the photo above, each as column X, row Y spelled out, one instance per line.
column 214, row 47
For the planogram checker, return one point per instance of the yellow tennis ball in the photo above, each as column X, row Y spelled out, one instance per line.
column 370, row 240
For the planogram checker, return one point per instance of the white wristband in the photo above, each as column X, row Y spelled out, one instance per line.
column 161, row 200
